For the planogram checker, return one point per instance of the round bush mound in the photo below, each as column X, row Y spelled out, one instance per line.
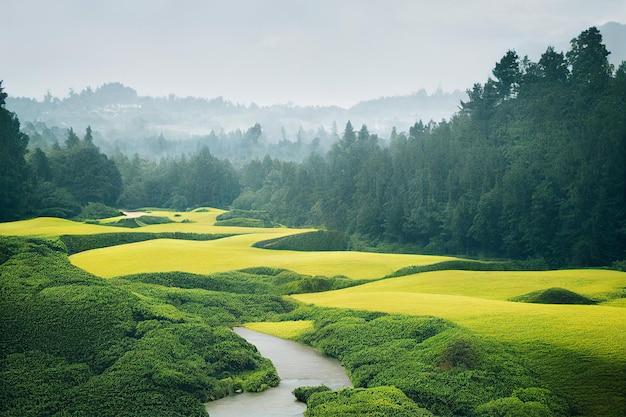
column 553, row 296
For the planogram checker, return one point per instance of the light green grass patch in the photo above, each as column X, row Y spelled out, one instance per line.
column 503, row 285
column 282, row 329
column 236, row 252
column 580, row 350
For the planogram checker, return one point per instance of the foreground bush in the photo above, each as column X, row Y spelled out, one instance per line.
column 371, row 402
column 72, row 344
column 440, row 367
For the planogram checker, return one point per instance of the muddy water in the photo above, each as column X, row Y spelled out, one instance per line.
column 297, row 366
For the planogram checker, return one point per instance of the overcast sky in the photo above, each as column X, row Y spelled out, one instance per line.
column 277, row 51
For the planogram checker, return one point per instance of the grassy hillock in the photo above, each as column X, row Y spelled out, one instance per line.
column 554, row 296
column 141, row 221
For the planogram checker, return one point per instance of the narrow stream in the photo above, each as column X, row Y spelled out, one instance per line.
column 297, row 365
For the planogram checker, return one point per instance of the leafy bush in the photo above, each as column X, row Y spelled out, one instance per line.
column 247, row 281
column 371, row 402
column 135, row 222
column 471, row 265
column 241, row 222
column 302, row 394
column 94, row 211
column 245, row 218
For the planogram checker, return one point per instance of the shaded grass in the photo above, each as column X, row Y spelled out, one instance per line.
column 553, row 296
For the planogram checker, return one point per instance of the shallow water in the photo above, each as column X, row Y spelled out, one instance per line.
column 297, row 365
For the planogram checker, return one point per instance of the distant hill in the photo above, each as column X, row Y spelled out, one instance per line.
column 114, row 108
column 124, row 121
column 614, row 36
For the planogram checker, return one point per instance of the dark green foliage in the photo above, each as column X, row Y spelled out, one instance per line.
column 13, row 170
column 241, row 222
column 79, row 243
column 321, row 240
column 553, row 296
column 141, row 221
column 244, row 214
column 526, row 402
column 371, row 402
column 94, row 211
column 245, row 218
column 532, row 167
column 72, row 344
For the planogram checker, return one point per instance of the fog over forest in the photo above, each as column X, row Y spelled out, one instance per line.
column 123, row 121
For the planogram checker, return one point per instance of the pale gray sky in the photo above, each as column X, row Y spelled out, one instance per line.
column 276, row 51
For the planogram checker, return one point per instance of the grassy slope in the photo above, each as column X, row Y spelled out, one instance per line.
column 581, row 350
column 207, row 257
column 237, row 253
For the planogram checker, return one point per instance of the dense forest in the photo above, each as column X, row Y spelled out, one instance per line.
column 531, row 167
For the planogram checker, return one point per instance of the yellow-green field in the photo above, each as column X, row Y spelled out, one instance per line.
column 283, row 329
column 592, row 338
column 236, row 252
column 204, row 257
column 198, row 221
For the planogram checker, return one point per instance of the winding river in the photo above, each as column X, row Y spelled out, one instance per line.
column 297, row 365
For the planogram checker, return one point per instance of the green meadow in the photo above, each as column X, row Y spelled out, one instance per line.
column 578, row 351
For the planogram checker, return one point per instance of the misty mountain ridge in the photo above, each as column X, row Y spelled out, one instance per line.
column 124, row 121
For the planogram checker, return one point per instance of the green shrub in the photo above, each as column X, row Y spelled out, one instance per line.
column 95, row 211
column 441, row 367
column 302, row 394
column 241, row 222
column 371, row 402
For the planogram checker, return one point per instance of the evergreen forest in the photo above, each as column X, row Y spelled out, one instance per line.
column 530, row 167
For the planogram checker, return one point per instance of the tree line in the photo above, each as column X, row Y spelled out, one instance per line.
column 531, row 167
